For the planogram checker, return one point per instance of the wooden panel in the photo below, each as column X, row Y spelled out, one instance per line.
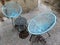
column 28, row 5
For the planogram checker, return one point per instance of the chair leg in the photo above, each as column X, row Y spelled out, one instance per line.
column 37, row 39
column 30, row 37
column 48, row 34
column 41, row 39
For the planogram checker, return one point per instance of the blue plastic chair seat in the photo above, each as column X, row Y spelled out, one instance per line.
column 41, row 23
column 11, row 10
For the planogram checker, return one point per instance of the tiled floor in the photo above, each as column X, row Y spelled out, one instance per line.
column 10, row 37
